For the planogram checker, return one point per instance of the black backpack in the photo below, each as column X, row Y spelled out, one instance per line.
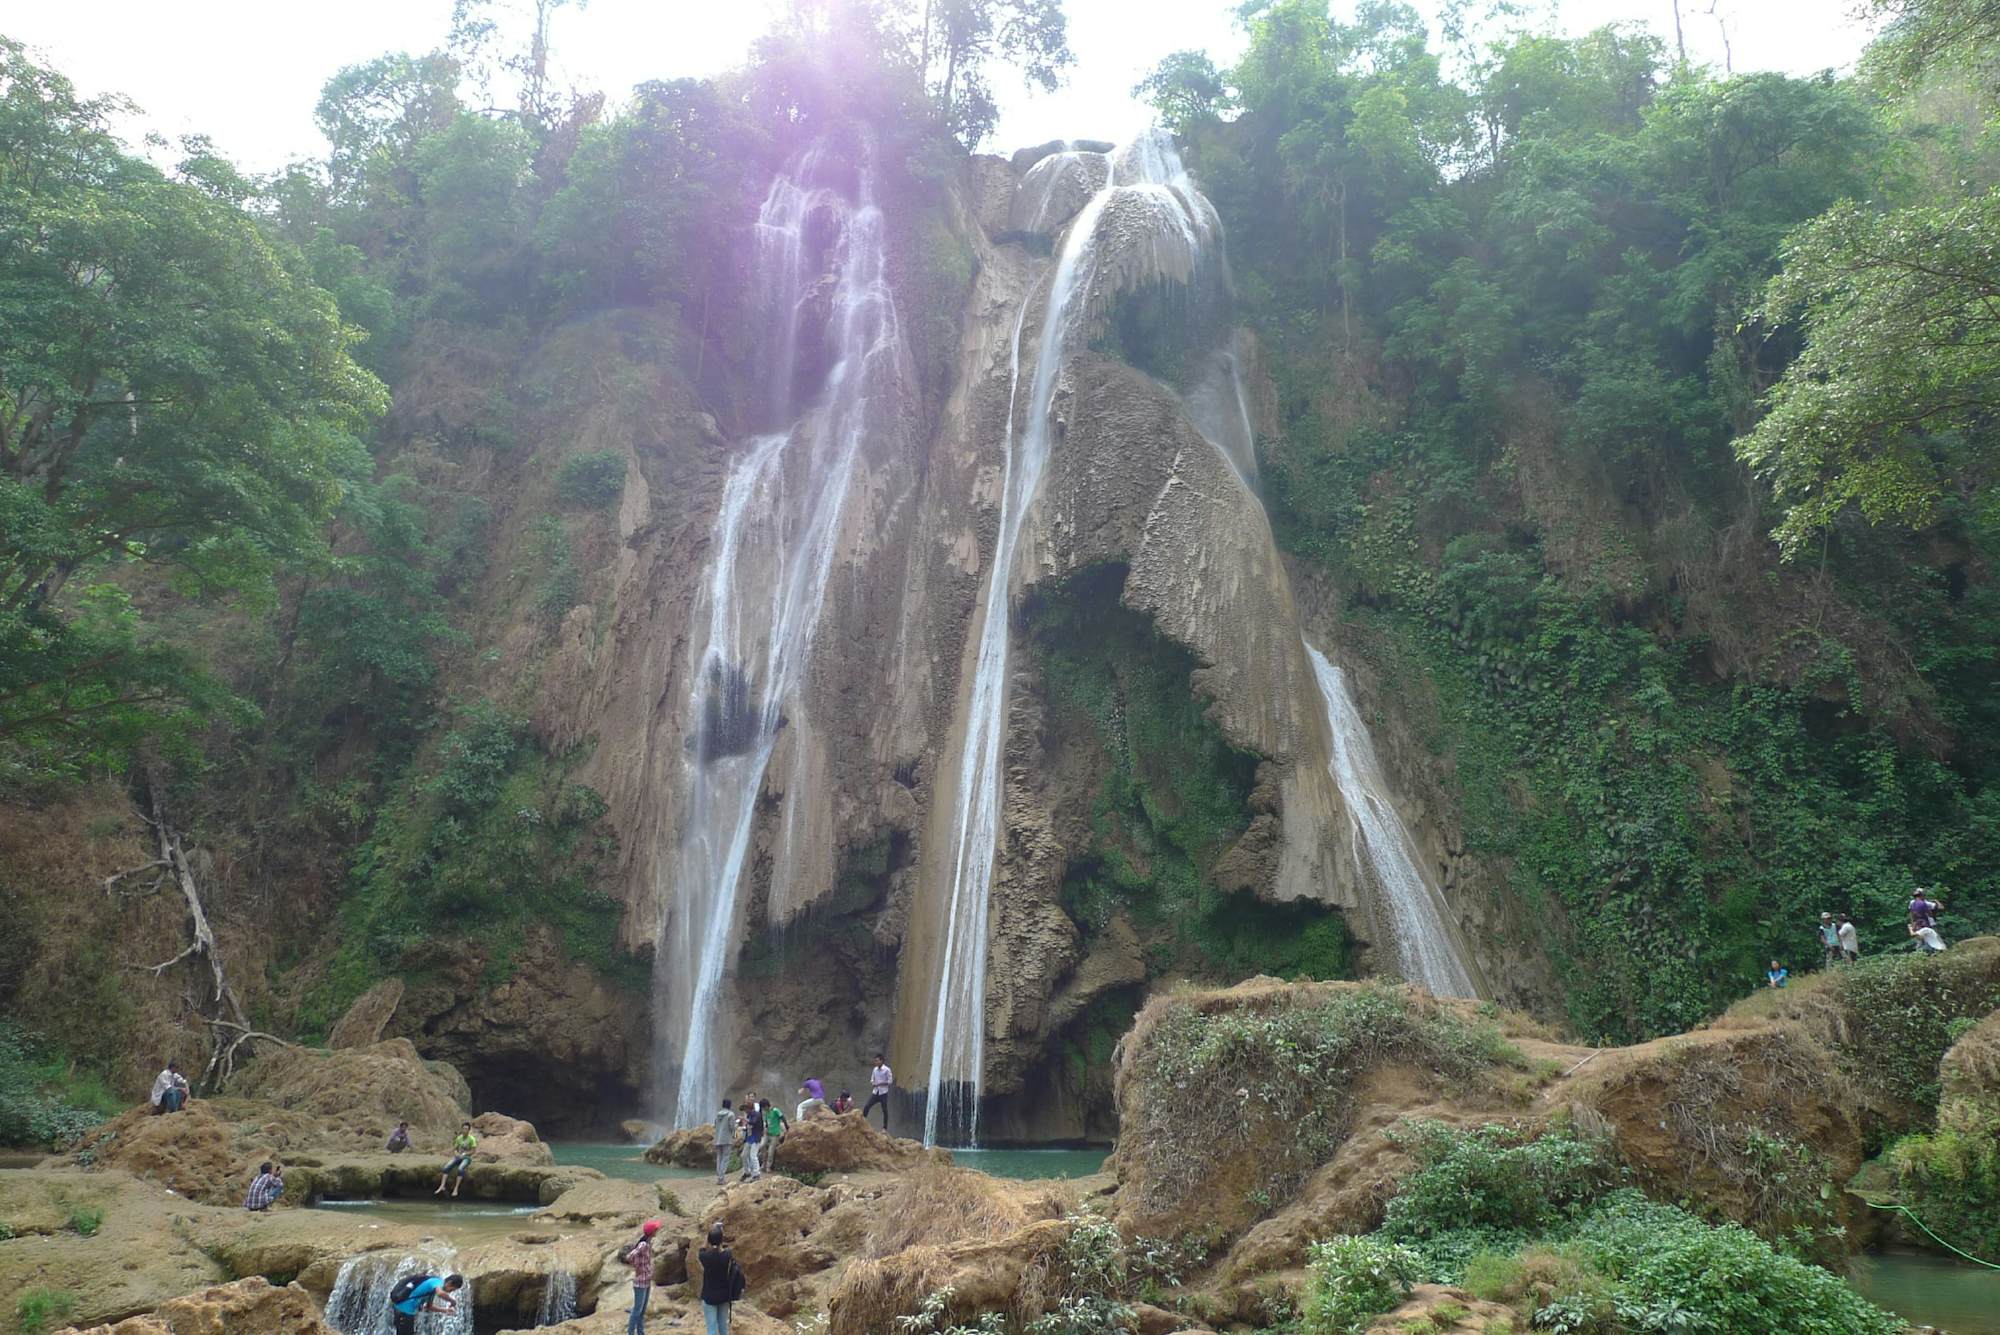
column 405, row 1287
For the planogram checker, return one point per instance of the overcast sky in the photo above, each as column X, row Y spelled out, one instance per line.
column 247, row 72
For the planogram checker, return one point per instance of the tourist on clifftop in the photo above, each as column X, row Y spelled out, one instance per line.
column 879, row 1081
column 725, row 1140
column 813, row 1098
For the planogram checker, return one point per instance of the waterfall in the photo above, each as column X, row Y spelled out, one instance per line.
column 1219, row 410
column 771, row 554
column 1425, row 949
column 359, row 1302
column 1168, row 224
column 558, row 1299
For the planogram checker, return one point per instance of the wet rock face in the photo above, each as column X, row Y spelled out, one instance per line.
column 1054, row 189
column 368, row 1016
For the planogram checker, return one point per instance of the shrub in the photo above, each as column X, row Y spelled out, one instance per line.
column 85, row 1221
column 1950, row 1179
column 40, row 1310
column 1493, row 1176
column 1353, row 1280
column 1722, row 1277
column 43, row 1100
column 591, row 481
column 1492, row 1277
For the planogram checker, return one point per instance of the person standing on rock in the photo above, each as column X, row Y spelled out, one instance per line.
column 424, row 1295
column 1924, row 909
column 170, row 1090
column 722, row 1282
column 639, row 1255
column 1850, row 940
column 774, row 1131
column 462, row 1146
column 1829, row 939
column 879, row 1081
column 725, row 1141
column 753, row 1139
column 265, row 1189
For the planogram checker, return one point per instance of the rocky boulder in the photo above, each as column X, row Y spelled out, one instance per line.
column 689, row 1147
column 189, row 1152
column 364, row 1091
column 247, row 1307
column 769, row 1225
column 847, row 1143
column 504, row 1139
column 368, row 1017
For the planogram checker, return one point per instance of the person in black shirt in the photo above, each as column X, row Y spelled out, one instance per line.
column 722, row 1282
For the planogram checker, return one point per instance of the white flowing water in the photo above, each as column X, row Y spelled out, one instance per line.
column 1219, row 410
column 1148, row 174
column 772, row 552
column 359, row 1302
column 1424, row 947
column 558, row 1299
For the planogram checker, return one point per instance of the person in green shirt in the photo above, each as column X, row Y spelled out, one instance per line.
column 774, row 1130
column 462, row 1146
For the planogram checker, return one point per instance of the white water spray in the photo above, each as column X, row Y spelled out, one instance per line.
column 1425, row 949
column 1168, row 224
column 772, row 553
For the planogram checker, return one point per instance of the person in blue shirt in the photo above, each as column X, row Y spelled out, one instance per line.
column 425, row 1296
column 1776, row 975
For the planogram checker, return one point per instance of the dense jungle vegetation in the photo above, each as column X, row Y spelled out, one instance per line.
column 1646, row 412
column 1640, row 410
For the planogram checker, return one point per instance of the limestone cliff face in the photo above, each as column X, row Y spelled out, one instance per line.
column 836, row 933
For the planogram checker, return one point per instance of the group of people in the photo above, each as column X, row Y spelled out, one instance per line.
column 722, row 1279
column 1840, row 943
column 762, row 1124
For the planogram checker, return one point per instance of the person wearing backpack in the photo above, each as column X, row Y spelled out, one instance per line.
column 639, row 1255
column 722, row 1282
column 419, row 1293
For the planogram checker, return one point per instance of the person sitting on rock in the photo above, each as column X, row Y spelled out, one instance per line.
column 843, row 1102
column 1927, row 937
column 1776, row 975
column 639, row 1255
column 462, row 1146
column 399, row 1139
column 423, row 1296
column 812, row 1098
column 170, row 1090
column 266, row 1188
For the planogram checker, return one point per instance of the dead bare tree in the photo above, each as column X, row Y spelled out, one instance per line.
column 222, row 1010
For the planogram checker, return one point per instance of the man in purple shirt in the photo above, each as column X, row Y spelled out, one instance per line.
column 815, row 1098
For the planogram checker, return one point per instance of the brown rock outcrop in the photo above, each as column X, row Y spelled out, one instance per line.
column 364, row 1090
column 504, row 1139
column 769, row 1225
column 247, row 1307
column 847, row 1143
column 370, row 1014
column 189, row 1152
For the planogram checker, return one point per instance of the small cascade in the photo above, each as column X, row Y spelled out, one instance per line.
column 1219, row 410
column 558, row 1299
column 359, row 1301
column 771, row 555
column 1157, row 227
column 1425, row 949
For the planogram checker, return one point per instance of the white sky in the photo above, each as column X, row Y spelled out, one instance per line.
column 247, row 72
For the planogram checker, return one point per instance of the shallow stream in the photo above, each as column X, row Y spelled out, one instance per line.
column 1931, row 1290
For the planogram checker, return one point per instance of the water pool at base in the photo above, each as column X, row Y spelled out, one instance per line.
column 1931, row 1290
column 1029, row 1164
column 627, row 1161
column 464, row 1221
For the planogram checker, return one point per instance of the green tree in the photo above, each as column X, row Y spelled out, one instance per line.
column 963, row 38
column 173, row 392
column 1186, row 89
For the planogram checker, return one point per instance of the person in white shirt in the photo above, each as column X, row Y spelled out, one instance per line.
column 1928, row 938
column 1850, row 941
column 879, row 1081
column 170, row 1090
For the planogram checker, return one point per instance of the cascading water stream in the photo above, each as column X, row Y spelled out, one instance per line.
column 772, row 554
column 1148, row 173
column 1425, row 949
column 558, row 1299
column 359, row 1301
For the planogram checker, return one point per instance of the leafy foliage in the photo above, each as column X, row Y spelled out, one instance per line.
column 1353, row 1280
column 44, row 1100
column 591, row 481
column 42, row 1309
